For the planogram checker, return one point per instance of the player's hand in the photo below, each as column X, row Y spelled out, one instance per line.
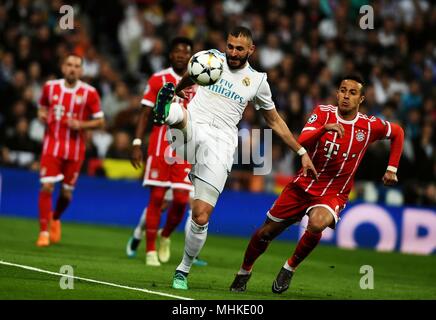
column 182, row 94
column 335, row 127
column 74, row 124
column 43, row 114
column 390, row 178
column 308, row 168
column 136, row 157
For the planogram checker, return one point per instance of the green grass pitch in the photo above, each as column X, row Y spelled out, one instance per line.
column 97, row 252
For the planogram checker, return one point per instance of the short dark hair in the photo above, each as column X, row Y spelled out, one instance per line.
column 355, row 77
column 181, row 40
column 241, row 31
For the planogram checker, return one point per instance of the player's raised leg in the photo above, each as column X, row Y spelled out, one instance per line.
column 319, row 219
column 168, row 112
column 258, row 244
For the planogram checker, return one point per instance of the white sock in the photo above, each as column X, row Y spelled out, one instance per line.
column 194, row 242
column 188, row 222
column 288, row 267
column 175, row 114
column 138, row 233
column 243, row 272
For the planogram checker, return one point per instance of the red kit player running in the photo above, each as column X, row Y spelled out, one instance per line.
column 336, row 138
column 161, row 173
column 67, row 107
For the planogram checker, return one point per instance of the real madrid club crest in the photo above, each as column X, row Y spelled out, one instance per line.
column 246, row 81
column 360, row 135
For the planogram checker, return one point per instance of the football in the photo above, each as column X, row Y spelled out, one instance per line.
column 205, row 68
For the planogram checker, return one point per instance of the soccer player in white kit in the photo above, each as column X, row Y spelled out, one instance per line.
column 209, row 128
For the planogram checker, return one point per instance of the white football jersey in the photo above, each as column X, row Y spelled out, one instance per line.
column 223, row 103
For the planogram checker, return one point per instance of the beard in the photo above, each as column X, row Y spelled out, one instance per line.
column 242, row 61
column 71, row 79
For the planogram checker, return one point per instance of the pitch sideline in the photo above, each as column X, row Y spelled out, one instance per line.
column 92, row 280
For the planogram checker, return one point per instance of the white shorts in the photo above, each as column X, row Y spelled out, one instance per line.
column 209, row 149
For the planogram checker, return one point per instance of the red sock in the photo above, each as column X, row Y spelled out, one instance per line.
column 153, row 217
column 44, row 204
column 176, row 212
column 307, row 243
column 255, row 248
column 61, row 205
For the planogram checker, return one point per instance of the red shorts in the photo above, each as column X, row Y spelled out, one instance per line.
column 54, row 169
column 162, row 174
column 294, row 203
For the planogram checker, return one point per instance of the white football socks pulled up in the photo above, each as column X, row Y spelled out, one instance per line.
column 194, row 241
column 175, row 114
column 188, row 222
column 138, row 233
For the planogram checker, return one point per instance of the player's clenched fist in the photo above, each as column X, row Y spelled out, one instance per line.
column 390, row 178
column 136, row 157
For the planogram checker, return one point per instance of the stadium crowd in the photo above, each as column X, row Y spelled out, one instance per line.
column 305, row 46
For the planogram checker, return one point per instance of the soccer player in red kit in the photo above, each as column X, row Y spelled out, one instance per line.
column 336, row 138
column 161, row 173
column 67, row 106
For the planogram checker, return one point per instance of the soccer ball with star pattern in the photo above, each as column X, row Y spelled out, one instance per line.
column 205, row 68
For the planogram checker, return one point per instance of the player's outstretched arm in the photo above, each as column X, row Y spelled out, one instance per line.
column 184, row 83
column 137, row 156
column 276, row 123
column 397, row 140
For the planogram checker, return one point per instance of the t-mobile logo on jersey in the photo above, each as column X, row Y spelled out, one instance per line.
column 331, row 148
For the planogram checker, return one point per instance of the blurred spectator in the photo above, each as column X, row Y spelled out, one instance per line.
column 120, row 148
column 114, row 102
column 20, row 149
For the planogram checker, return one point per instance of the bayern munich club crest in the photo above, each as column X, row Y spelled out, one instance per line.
column 360, row 135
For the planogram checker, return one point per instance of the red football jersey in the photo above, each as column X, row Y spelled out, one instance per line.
column 158, row 142
column 337, row 159
column 81, row 103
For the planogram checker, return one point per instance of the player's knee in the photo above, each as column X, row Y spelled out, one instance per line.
column 318, row 222
column 157, row 197
column 47, row 187
column 268, row 232
column 200, row 214
column 200, row 218
column 67, row 193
